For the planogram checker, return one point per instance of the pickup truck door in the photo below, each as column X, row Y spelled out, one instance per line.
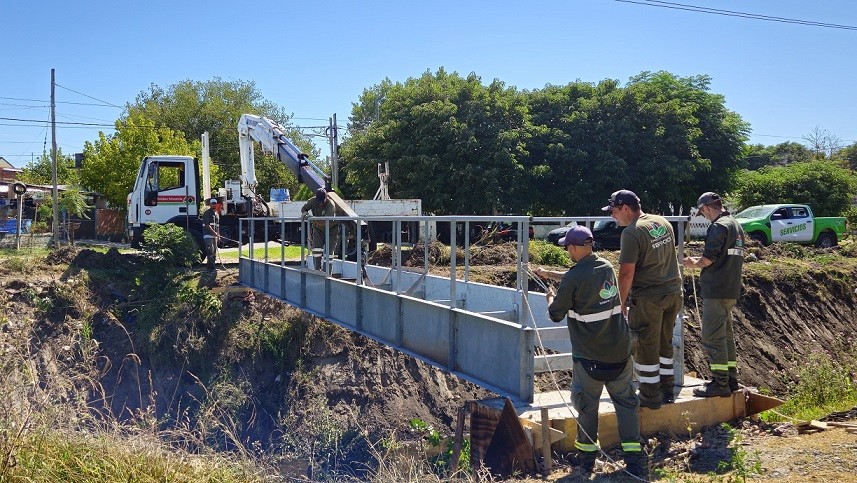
column 781, row 225
column 802, row 224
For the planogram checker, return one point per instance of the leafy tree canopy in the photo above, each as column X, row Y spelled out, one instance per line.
column 758, row 155
column 111, row 162
column 450, row 140
column 191, row 108
column 464, row 147
column 848, row 155
column 40, row 170
column 826, row 186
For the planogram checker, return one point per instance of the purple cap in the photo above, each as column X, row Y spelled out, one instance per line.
column 622, row 197
column 577, row 235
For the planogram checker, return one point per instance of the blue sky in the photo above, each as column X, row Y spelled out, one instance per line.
column 315, row 58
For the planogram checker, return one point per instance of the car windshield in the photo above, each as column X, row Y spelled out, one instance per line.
column 756, row 212
column 601, row 224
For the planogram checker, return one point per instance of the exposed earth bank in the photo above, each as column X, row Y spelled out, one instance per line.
column 328, row 388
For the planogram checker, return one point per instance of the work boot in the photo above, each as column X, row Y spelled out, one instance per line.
column 651, row 403
column 733, row 384
column 713, row 389
column 586, row 461
column 637, row 464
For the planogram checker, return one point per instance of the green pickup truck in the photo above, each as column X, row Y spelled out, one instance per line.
column 791, row 223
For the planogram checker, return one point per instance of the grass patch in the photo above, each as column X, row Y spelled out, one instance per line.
column 544, row 253
column 56, row 456
column 823, row 386
column 292, row 252
column 40, row 252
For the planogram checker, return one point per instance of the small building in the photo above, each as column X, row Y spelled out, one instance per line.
column 7, row 171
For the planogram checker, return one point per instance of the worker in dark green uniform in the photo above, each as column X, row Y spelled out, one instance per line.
column 721, row 262
column 322, row 205
column 601, row 348
column 650, row 291
column 211, row 231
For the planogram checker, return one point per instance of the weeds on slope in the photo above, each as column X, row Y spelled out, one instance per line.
column 824, row 384
column 55, row 422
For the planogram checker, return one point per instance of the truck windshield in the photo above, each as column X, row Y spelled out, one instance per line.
column 756, row 212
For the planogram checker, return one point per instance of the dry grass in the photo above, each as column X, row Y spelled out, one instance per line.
column 53, row 423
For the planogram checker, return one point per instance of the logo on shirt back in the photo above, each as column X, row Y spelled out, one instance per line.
column 656, row 230
column 609, row 291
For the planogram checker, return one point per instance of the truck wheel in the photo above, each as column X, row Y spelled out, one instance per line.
column 826, row 240
column 759, row 238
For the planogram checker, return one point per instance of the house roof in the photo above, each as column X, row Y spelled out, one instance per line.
column 6, row 164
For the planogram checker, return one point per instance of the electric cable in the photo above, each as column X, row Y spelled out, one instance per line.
column 734, row 13
column 105, row 103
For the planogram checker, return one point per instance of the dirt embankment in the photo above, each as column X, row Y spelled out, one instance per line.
column 328, row 381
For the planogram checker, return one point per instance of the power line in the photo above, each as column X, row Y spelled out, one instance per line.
column 84, row 95
column 48, row 103
column 61, row 122
column 734, row 13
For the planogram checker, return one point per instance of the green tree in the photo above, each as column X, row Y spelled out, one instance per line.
column 666, row 138
column 111, row 163
column 848, row 155
column 451, row 141
column 40, row 170
column 192, row 107
column 826, row 186
column 757, row 156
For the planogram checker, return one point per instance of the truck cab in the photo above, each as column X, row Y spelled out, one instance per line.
column 166, row 190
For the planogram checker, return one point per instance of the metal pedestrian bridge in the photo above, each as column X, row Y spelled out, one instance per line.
column 496, row 337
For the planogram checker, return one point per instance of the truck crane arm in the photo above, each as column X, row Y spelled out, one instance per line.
column 270, row 135
column 273, row 140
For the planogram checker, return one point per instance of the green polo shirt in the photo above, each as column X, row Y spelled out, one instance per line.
column 724, row 246
column 650, row 245
column 588, row 296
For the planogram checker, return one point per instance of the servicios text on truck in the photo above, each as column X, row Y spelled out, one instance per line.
column 791, row 223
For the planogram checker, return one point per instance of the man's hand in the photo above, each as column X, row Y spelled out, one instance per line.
column 625, row 311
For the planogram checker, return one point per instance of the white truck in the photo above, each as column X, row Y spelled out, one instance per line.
column 168, row 189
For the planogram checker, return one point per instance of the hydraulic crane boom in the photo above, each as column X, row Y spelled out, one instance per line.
column 270, row 135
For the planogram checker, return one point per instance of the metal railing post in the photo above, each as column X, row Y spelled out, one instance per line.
column 452, row 256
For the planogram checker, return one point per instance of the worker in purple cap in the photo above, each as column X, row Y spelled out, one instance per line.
column 588, row 298
column 650, row 291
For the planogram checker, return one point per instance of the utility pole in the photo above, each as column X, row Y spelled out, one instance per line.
column 56, row 230
column 333, row 141
column 334, row 153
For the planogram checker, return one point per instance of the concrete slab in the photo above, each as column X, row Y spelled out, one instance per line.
column 687, row 415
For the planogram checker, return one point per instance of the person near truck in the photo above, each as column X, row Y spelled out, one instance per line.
column 322, row 205
column 720, row 280
column 211, row 231
column 650, row 293
column 587, row 297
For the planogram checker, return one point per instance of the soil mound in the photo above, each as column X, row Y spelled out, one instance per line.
column 62, row 255
column 91, row 259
